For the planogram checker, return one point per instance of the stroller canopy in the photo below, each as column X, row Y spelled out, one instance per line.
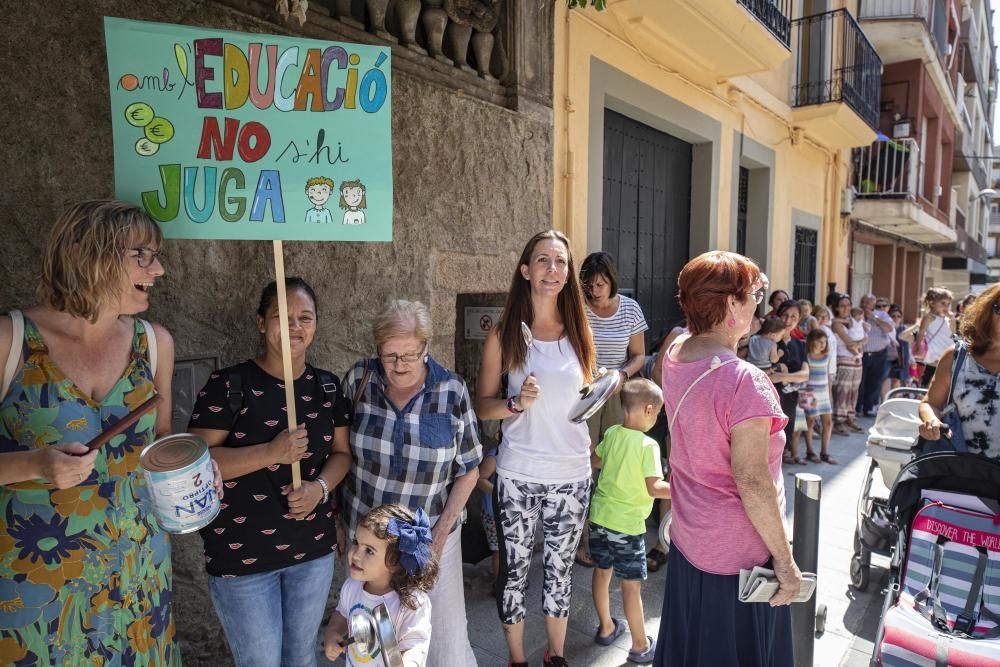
column 947, row 471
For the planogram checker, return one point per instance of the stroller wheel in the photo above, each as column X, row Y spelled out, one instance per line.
column 859, row 573
column 820, row 620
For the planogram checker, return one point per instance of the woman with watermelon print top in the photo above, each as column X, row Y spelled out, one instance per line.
column 270, row 552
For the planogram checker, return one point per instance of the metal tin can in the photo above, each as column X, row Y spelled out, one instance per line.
column 178, row 471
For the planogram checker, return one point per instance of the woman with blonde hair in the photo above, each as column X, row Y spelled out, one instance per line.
column 76, row 537
column 414, row 442
column 543, row 467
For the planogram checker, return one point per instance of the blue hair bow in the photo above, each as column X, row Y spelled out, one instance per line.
column 414, row 541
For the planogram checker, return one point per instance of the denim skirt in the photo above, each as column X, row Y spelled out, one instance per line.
column 704, row 624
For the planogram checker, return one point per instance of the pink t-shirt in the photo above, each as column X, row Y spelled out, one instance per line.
column 709, row 524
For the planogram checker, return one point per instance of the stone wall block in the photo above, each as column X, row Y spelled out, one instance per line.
column 472, row 182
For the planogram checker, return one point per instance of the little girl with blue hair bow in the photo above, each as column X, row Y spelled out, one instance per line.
column 391, row 563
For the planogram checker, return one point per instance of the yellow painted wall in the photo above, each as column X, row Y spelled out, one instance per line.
column 808, row 176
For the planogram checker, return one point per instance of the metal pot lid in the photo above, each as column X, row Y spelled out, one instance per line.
column 387, row 634
column 594, row 395
column 664, row 530
column 364, row 633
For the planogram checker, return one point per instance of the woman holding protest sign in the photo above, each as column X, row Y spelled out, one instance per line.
column 84, row 565
column 415, row 443
column 270, row 552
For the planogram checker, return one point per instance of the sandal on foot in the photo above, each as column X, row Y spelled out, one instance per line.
column 655, row 559
column 840, row 429
column 644, row 657
column 854, row 426
column 553, row 660
column 826, row 458
column 812, row 458
column 608, row 640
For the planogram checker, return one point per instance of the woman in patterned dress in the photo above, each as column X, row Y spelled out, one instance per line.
column 84, row 566
column 976, row 394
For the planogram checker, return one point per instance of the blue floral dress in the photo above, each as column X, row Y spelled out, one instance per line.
column 84, row 572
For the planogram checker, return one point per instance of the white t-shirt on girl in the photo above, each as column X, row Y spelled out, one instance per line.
column 413, row 626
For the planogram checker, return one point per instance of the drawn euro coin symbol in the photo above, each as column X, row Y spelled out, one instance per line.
column 159, row 130
column 139, row 114
column 145, row 147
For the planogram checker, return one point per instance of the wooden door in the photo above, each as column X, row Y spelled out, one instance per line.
column 647, row 212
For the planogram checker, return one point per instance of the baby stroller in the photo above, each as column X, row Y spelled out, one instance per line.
column 890, row 443
column 942, row 606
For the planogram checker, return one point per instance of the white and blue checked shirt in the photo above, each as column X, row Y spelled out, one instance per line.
column 409, row 456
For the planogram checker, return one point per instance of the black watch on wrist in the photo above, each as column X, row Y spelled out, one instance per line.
column 512, row 406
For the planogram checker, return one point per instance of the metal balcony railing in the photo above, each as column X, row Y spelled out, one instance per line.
column 836, row 63
column 775, row 15
column 887, row 170
column 894, row 9
column 971, row 71
column 931, row 12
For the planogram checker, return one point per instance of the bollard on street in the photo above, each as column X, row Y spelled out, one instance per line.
column 805, row 550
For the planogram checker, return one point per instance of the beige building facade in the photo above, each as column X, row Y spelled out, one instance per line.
column 683, row 126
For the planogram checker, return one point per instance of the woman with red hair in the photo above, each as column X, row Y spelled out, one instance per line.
column 726, row 428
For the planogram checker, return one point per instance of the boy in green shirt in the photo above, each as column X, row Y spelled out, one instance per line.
column 631, row 476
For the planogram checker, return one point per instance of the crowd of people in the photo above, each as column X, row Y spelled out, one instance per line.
column 391, row 455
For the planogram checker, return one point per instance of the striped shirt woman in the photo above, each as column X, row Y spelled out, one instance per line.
column 617, row 325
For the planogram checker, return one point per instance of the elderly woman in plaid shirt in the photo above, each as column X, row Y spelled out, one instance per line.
column 414, row 442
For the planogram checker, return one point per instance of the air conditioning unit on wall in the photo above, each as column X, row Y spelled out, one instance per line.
column 847, row 200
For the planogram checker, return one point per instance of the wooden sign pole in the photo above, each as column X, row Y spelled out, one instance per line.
column 286, row 349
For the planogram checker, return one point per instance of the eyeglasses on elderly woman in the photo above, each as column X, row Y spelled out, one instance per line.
column 405, row 358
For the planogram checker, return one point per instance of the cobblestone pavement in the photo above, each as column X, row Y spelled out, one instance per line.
column 852, row 616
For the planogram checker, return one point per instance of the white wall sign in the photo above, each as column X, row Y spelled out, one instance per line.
column 479, row 320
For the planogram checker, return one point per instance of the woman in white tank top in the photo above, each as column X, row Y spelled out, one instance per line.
column 936, row 330
column 543, row 466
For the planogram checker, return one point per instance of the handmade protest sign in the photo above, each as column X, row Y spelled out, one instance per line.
column 227, row 135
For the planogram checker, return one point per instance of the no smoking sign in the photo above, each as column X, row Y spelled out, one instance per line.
column 479, row 320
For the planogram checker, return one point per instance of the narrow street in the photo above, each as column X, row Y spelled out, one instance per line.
column 852, row 617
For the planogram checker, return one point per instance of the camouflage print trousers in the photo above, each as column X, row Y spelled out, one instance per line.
column 518, row 505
